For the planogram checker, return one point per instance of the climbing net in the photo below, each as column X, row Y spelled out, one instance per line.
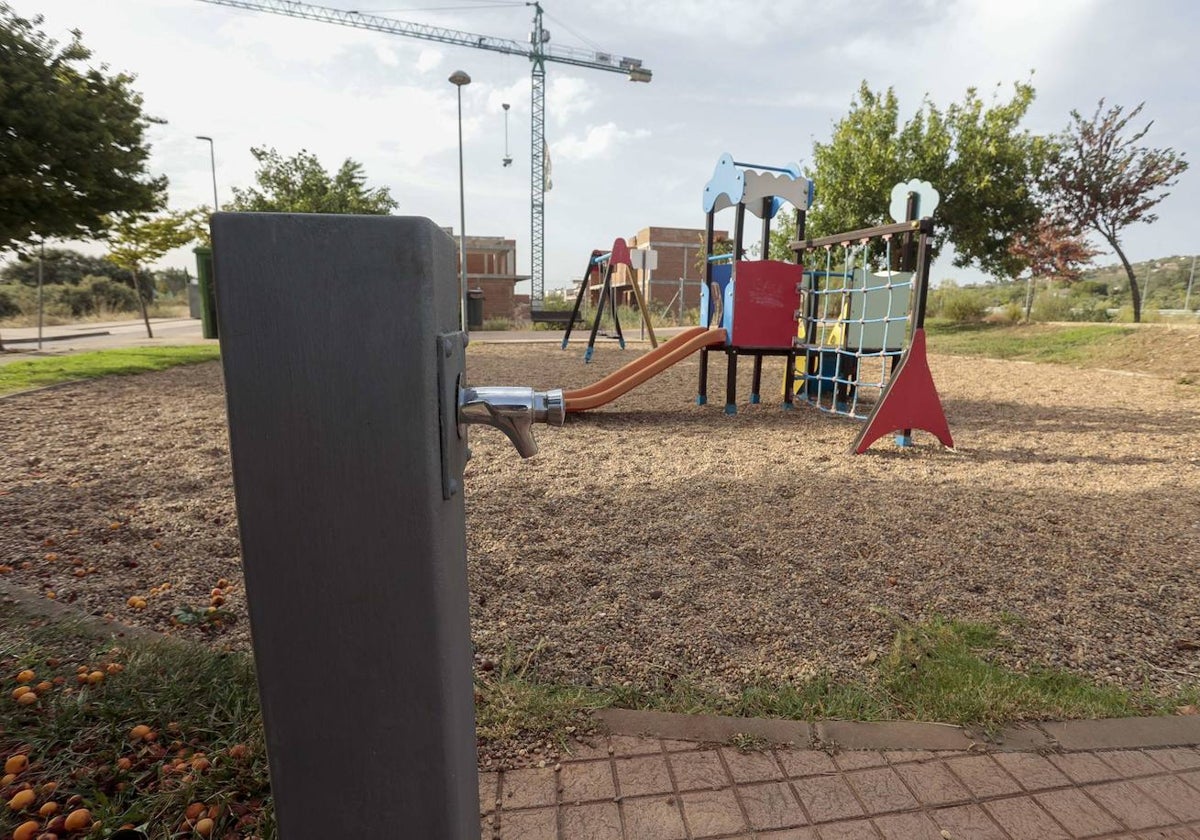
column 861, row 298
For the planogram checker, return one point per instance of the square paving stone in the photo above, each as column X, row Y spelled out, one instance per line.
column 1177, row 758
column 596, row 747
column 881, row 790
column 856, row 830
column 1130, row 805
column 1178, row 797
column 933, row 784
column 1083, row 768
column 983, row 776
column 907, row 827
column 489, row 790
column 653, row 818
column 904, row 756
column 858, row 759
column 633, row 745
column 1131, row 763
column 1024, row 820
column 786, row 834
column 1032, row 771
column 642, row 775
column 712, row 812
column 586, row 781
column 538, row 824
column 598, row 821
column 527, row 788
column 751, row 766
column 968, row 822
column 771, row 805
column 806, row 762
column 1081, row 816
column 827, row 798
column 697, row 770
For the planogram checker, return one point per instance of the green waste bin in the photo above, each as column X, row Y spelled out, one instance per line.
column 208, row 299
column 475, row 309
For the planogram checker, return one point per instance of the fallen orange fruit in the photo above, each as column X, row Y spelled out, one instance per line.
column 16, row 764
column 26, row 830
column 78, row 819
column 22, row 800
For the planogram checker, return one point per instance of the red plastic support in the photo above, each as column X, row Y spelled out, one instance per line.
column 620, row 253
column 910, row 401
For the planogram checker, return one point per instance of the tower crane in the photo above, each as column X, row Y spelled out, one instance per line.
column 537, row 51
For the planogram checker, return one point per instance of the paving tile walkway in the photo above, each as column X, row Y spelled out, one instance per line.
column 623, row 787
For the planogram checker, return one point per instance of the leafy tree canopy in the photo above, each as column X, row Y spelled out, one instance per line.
column 73, row 149
column 136, row 240
column 974, row 153
column 61, row 266
column 1101, row 179
column 300, row 184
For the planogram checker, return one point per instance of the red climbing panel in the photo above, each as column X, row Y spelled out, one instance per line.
column 910, row 401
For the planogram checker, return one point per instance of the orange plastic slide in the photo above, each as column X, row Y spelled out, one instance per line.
column 639, row 370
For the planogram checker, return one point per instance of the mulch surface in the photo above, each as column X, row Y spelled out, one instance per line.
column 655, row 539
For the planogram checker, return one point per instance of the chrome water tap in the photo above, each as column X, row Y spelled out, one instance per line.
column 512, row 410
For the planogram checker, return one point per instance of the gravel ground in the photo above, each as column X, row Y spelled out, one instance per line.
column 655, row 537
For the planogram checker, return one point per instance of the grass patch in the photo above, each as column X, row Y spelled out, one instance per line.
column 939, row 671
column 36, row 373
column 1063, row 344
column 201, row 707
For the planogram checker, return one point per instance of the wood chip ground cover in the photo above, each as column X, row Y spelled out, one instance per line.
column 656, row 539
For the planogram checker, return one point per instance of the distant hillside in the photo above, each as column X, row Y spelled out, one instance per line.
column 1163, row 282
column 1101, row 295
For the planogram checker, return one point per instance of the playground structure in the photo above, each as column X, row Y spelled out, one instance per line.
column 847, row 315
column 605, row 265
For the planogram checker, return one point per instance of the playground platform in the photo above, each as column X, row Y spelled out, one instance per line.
column 629, row 787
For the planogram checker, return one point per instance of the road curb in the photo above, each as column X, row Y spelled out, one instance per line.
column 1050, row 736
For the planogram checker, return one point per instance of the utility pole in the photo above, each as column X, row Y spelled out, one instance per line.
column 1188, row 298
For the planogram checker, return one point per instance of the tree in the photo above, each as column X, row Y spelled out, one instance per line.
column 61, row 266
column 73, row 149
column 1052, row 249
column 172, row 281
column 1103, row 181
column 982, row 163
column 136, row 240
column 300, row 184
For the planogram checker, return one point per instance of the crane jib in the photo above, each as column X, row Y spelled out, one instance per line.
column 536, row 51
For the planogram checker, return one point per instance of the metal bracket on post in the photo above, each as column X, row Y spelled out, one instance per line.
column 451, row 361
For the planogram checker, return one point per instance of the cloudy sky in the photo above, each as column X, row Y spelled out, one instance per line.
column 761, row 79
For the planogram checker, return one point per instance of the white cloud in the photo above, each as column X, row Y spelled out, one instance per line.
column 598, row 143
column 429, row 60
column 568, row 97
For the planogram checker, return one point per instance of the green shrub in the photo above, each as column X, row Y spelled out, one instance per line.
column 1010, row 313
column 498, row 324
column 955, row 304
column 109, row 295
column 8, row 304
column 1051, row 307
column 78, row 301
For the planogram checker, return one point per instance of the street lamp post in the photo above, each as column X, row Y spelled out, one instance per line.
column 458, row 78
column 212, row 156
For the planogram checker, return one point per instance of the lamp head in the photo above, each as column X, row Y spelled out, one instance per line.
column 459, row 78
